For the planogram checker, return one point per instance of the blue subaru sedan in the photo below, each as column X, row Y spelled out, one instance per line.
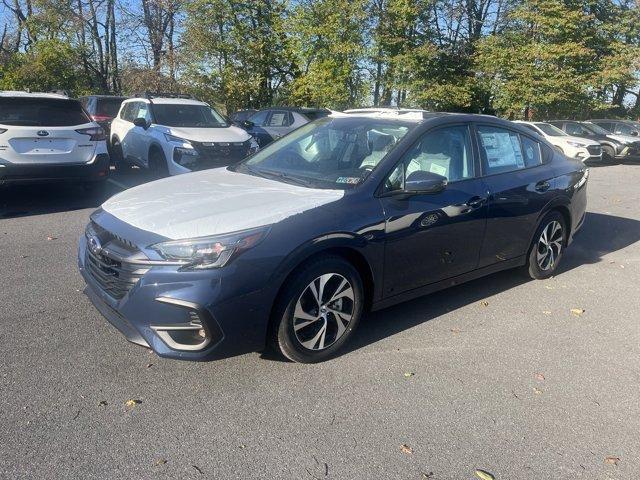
column 347, row 214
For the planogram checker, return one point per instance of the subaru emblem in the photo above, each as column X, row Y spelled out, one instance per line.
column 43, row 133
column 94, row 245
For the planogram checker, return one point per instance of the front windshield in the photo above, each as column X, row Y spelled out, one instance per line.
column 187, row 116
column 596, row 129
column 550, row 130
column 329, row 153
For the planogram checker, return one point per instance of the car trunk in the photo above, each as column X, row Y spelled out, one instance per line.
column 44, row 131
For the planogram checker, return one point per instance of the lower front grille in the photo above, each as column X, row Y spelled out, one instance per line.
column 114, row 276
column 220, row 154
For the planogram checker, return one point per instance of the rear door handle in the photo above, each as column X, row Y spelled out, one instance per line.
column 476, row 202
column 542, row 186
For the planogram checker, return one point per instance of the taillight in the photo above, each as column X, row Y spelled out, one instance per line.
column 96, row 133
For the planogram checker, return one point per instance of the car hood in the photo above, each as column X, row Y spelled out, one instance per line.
column 213, row 202
column 624, row 138
column 222, row 134
column 583, row 140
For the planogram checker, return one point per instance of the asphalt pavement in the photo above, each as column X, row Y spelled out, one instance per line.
column 497, row 374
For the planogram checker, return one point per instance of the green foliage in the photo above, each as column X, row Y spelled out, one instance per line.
column 328, row 40
column 48, row 65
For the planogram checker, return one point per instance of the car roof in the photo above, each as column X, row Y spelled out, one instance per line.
column 302, row 110
column 383, row 109
column 619, row 120
column 104, row 96
column 167, row 101
column 21, row 94
column 423, row 116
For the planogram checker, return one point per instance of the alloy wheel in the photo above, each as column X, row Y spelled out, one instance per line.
column 323, row 311
column 549, row 246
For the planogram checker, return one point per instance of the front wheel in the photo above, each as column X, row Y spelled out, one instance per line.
column 318, row 310
column 547, row 247
column 158, row 164
column 608, row 153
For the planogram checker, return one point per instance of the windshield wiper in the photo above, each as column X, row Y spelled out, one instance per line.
column 281, row 176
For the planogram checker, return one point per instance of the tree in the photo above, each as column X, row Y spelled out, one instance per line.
column 241, row 53
column 542, row 64
column 328, row 40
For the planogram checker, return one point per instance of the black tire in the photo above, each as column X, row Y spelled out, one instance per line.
column 288, row 340
column 158, row 164
column 608, row 153
column 545, row 267
column 117, row 158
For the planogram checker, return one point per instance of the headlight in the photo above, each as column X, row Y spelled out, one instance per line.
column 210, row 252
column 576, row 144
column 174, row 139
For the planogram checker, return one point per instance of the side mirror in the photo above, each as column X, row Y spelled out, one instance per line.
column 424, row 182
column 248, row 124
column 141, row 122
column 635, row 133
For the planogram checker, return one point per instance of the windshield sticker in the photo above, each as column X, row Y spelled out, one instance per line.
column 349, row 180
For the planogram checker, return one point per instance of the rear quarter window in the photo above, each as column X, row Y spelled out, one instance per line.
column 41, row 112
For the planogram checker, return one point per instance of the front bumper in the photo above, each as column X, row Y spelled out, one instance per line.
column 94, row 171
column 167, row 309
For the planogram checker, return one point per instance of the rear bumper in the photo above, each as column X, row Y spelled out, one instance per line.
column 97, row 170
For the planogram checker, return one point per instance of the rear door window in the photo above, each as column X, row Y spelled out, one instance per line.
column 279, row 119
column 624, row 129
column 259, row 118
column 108, row 106
column 500, row 149
column 41, row 112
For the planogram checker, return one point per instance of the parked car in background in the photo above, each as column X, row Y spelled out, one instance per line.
column 575, row 147
column 47, row 137
column 102, row 109
column 619, row 127
column 272, row 123
column 239, row 117
column 614, row 147
column 170, row 134
column 292, row 245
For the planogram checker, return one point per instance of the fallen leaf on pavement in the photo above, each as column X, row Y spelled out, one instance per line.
column 548, row 287
column 427, row 475
column 133, row 402
column 484, row 475
column 485, row 304
column 409, row 374
column 160, row 461
column 51, row 237
column 103, row 403
column 539, row 376
column 455, row 330
column 149, row 365
column 547, row 312
column 537, row 391
column 404, row 448
column 577, row 311
column 612, row 460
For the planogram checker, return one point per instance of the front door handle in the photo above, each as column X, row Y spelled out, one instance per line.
column 542, row 186
column 476, row 202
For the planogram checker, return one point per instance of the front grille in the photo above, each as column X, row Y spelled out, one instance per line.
column 594, row 149
column 220, row 154
column 108, row 266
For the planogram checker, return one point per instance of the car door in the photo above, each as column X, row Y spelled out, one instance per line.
column 277, row 125
column 138, row 138
column 519, row 185
column 123, row 129
column 257, row 129
column 431, row 237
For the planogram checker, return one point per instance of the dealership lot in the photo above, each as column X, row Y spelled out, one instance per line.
column 498, row 374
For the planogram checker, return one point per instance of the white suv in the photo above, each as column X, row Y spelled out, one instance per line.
column 45, row 137
column 574, row 147
column 170, row 135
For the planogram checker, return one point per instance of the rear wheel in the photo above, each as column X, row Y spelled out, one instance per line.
column 158, row 164
column 318, row 310
column 547, row 247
